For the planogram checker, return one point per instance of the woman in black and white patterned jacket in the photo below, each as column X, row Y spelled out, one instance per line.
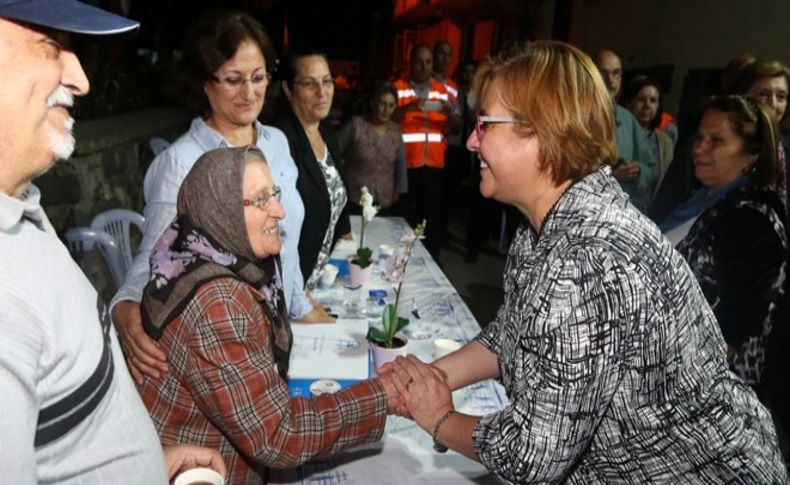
column 613, row 362
column 731, row 231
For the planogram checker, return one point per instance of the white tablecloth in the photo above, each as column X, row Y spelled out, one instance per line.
column 405, row 455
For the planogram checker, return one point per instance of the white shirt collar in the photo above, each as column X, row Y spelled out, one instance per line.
column 13, row 209
column 211, row 139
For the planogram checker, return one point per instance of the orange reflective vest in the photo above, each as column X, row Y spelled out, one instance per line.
column 452, row 89
column 423, row 131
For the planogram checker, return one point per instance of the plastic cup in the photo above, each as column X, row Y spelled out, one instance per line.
column 385, row 251
column 328, row 275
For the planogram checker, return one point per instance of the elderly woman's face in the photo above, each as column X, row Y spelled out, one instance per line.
column 719, row 154
column 771, row 91
column 263, row 212
column 236, row 98
column 313, row 88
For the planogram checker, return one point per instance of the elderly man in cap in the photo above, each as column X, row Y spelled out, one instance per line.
column 70, row 412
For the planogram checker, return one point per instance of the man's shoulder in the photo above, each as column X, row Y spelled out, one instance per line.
column 438, row 86
column 401, row 83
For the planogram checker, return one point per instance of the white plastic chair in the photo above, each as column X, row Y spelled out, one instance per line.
column 81, row 242
column 158, row 145
column 116, row 223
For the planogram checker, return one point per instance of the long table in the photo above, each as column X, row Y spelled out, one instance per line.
column 405, row 455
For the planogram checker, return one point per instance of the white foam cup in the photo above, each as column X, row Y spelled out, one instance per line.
column 199, row 476
column 328, row 275
column 385, row 250
column 444, row 346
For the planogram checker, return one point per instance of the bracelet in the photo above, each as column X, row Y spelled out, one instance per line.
column 440, row 448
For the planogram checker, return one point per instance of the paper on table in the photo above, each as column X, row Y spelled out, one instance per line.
column 330, row 351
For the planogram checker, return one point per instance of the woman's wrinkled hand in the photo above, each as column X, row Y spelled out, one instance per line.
column 396, row 401
column 180, row 458
column 424, row 388
column 627, row 172
column 317, row 315
column 143, row 356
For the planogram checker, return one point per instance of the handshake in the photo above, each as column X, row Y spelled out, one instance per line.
column 416, row 390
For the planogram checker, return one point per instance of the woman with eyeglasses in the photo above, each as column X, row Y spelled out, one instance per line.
column 731, row 230
column 373, row 151
column 215, row 304
column 224, row 83
column 309, row 88
column 611, row 358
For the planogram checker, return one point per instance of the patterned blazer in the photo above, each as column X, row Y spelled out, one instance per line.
column 612, row 360
column 737, row 250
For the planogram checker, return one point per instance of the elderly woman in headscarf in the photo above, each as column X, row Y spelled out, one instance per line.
column 215, row 305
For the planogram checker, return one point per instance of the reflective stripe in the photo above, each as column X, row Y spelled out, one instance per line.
column 422, row 137
column 413, row 137
column 451, row 90
column 405, row 93
column 437, row 95
column 434, row 137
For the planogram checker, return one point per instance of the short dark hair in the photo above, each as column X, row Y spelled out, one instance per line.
column 289, row 68
column 631, row 91
column 214, row 39
column 421, row 45
column 756, row 125
column 382, row 89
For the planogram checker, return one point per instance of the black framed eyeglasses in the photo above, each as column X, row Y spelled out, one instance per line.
column 263, row 200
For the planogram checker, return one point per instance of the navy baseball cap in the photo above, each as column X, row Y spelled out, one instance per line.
column 66, row 15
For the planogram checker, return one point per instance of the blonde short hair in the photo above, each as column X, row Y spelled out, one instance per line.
column 557, row 94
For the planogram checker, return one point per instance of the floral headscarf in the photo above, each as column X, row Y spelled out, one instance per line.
column 209, row 240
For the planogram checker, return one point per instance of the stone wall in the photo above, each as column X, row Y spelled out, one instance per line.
column 108, row 165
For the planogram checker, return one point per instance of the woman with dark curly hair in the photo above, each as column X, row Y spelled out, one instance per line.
column 308, row 88
column 731, row 230
column 225, row 74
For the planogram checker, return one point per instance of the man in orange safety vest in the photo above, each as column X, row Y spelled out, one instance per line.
column 425, row 114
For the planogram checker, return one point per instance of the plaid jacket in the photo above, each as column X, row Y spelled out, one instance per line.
column 223, row 391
